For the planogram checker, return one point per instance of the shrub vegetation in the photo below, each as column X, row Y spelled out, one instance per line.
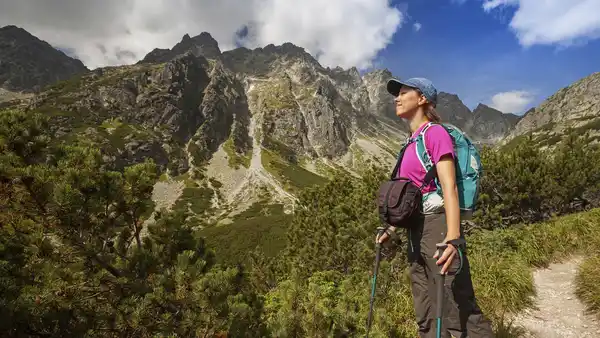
column 76, row 258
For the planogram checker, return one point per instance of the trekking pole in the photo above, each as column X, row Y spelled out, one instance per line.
column 439, row 309
column 374, row 282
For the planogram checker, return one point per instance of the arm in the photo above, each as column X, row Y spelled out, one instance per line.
column 446, row 174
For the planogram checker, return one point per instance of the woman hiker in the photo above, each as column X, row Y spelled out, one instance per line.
column 439, row 222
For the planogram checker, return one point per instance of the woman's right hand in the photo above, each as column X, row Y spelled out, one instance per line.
column 383, row 235
column 380, row 239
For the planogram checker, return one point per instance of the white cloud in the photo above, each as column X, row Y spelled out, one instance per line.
column 548, row 22
column 340, row 32
column 512, row 102
column 417, row 26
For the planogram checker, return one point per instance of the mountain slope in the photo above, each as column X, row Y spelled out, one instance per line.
column 230, row 136
column 28, row 63
column 575, row 107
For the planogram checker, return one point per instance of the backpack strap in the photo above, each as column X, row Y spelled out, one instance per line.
column 421, row 149
column 394, row 173
column 431, row 172
column 423, row 155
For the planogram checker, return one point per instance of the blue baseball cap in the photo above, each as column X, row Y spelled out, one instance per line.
column 422, row 84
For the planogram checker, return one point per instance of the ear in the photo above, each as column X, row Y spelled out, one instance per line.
column 422, row 100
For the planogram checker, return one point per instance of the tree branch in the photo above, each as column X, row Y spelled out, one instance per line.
column 111, row 269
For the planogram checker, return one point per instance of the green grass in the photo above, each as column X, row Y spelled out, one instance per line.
column 330, row 171
column 510, row 145
column 196, row 198
column 262, row 226
column 67, row 85
column 358, row 153
column 111, row 123
column 502, row 259
column 549, row 141
column 592, row 125
column 277, row 95
column 235, row 159
column 587, row 283
column 508, row 329
column 283, row 163
column 542, row 139
column 121, row 132
column 292, row 176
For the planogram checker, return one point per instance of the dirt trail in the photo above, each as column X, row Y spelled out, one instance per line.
column 560, row 314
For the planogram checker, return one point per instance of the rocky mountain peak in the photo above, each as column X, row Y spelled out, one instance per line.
column 349, row 79
column 382, row 103
column 287, row 49
column 28, row 63
column 15, row 31
column 265, row 60
column 486, row 111
column 491, row 122
column 381, row 74
column 202, row 44
column 451, row 109
column 481, row 108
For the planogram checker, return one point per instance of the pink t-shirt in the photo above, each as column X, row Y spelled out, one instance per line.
column 438, row 143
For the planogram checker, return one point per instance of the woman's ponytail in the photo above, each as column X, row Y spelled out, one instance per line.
column 432, row 114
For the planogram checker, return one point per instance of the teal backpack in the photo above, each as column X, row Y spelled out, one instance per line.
column 468, row 165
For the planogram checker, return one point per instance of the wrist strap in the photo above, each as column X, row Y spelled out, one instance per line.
column 458, row 242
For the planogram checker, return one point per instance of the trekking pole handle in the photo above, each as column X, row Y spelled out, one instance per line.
column 440, row 248
column 380, row 232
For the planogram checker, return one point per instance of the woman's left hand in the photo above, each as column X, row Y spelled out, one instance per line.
column 447, row 258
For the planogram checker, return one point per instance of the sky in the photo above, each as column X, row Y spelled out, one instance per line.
column 508, row 54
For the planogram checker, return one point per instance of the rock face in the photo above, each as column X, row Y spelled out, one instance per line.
column 177, row 112
column 490, row 124
column 380, row 100
column 576, row 106
column 453, row 110
column 28, row 64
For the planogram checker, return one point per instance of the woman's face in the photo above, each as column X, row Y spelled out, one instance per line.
column 408, row 102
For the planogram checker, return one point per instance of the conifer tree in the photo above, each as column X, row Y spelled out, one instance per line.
column 76, row 261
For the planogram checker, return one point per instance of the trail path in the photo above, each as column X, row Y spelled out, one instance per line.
column 560, row 314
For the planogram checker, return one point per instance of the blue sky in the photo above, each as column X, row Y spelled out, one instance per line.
column 473, row 53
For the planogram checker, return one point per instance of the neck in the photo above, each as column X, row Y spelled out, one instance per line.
column 417, row 121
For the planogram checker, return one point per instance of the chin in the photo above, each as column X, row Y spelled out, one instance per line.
column 402, row 114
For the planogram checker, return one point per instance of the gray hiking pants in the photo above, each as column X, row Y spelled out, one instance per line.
column 462, row 316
